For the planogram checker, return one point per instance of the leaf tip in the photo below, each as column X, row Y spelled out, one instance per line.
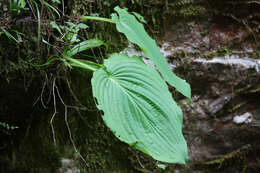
column 116, row 8
column 188, row 91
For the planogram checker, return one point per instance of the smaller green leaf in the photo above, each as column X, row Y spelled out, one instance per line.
column 22, row 3
column 82, row 26
column 162, row 166
column 51, row 8
column 48, row 62
column 39, row 23
column 74, row 37
column 55, row 26
column 57, row 1
column 10, row 36
column 46, row 42
column 139, row 17
column 85, row 45
column 70, row 24
column 135, row 33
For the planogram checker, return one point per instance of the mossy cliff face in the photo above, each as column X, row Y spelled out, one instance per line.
column 27, row 98
column 27, row 101
column 28, row 148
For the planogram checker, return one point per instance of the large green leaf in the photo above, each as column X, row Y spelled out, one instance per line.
column 135, row 32
column 139, row 109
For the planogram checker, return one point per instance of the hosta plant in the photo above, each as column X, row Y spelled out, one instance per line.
column 137, row 104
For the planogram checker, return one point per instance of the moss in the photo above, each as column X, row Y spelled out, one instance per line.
column 233, row 159
column 188, row 9
column 30, row 143
column 102, row 151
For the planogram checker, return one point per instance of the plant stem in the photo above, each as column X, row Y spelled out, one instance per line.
column 97, row 18
column 86, row 64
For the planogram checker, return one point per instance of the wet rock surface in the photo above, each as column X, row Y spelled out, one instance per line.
column 68, row 166
column 219, row 123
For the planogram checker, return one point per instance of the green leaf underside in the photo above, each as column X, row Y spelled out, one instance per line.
column 135, row 32
column 148, row 118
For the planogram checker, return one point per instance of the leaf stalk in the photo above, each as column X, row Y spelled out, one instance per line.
column 97, row 19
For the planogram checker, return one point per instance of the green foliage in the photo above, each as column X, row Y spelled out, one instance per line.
column 134, row 31
column 52, row 8
column 69, row 31
column 85, row 45
column 69, row 34
column 7, row 126
column 72, row 30
column 9, row 35
column 136, row 101
column 147, row 118
column 162, row 166
column 139, row 17
column 17, row 6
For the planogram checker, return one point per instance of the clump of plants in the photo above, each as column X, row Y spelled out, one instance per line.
column 7, row 126
column 137, row 105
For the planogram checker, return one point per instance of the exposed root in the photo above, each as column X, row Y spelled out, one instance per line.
column 55, row 110
column 140, row 162
column 55, row 94
column 67, row 124
column 143, row 168
column 41, row 95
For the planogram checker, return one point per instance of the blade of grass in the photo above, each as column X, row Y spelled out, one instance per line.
column 49, row 61
column 10, row 36
column 85, row 45
column 50, row 7
column 39, row 23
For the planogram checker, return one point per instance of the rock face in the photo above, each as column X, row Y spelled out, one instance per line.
column 221, row 124
column 224, row 88
column 223, row 112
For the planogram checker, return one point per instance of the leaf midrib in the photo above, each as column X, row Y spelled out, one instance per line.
column 139, row 108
